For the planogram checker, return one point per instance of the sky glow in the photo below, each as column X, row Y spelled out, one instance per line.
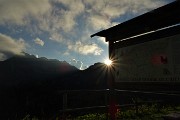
column 61, row 29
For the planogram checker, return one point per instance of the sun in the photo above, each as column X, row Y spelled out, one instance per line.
column 108, row 62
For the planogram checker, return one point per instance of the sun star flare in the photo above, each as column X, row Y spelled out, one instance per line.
column 108, row 62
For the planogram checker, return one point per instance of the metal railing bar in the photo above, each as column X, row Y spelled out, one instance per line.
column 117, row 90
column 146, row 92
column 98, row 107
column 71, row 91
column 84, row 108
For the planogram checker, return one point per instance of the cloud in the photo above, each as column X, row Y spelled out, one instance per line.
column 60, row 21
column 73, row 9
column 102, row 12
column 78, row 64
column 2, row 57
column 98, row 22
column 62, row 16
column 84, row 67
column 57, row 37
column 19, row 11
column 94, row 15
column 37, row 56
column 39, row 42
column 102, row 39
column 10, row 46
column 66, row 53
column 85, row 49
column 65, row 21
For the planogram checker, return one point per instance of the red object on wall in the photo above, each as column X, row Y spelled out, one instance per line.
column 159, row 59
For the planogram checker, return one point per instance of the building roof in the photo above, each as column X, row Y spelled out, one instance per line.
column 156, row 19
column 149, row 37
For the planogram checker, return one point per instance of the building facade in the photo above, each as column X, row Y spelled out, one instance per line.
column 146, row 50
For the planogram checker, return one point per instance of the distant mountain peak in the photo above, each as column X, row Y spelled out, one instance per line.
column 28, row 61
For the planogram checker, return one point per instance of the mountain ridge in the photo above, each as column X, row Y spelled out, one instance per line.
column 29, row 84
column 28, row 68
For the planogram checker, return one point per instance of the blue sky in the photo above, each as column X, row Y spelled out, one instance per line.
column 61, row 29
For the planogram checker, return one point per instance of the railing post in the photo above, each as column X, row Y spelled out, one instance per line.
column 113, row 105
column 136, row 107
column 64, row 104
column 106, row 103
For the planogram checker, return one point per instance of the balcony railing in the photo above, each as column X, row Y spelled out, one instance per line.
column 85, row 101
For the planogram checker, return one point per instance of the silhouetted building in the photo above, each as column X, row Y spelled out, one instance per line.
column 146, row 50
